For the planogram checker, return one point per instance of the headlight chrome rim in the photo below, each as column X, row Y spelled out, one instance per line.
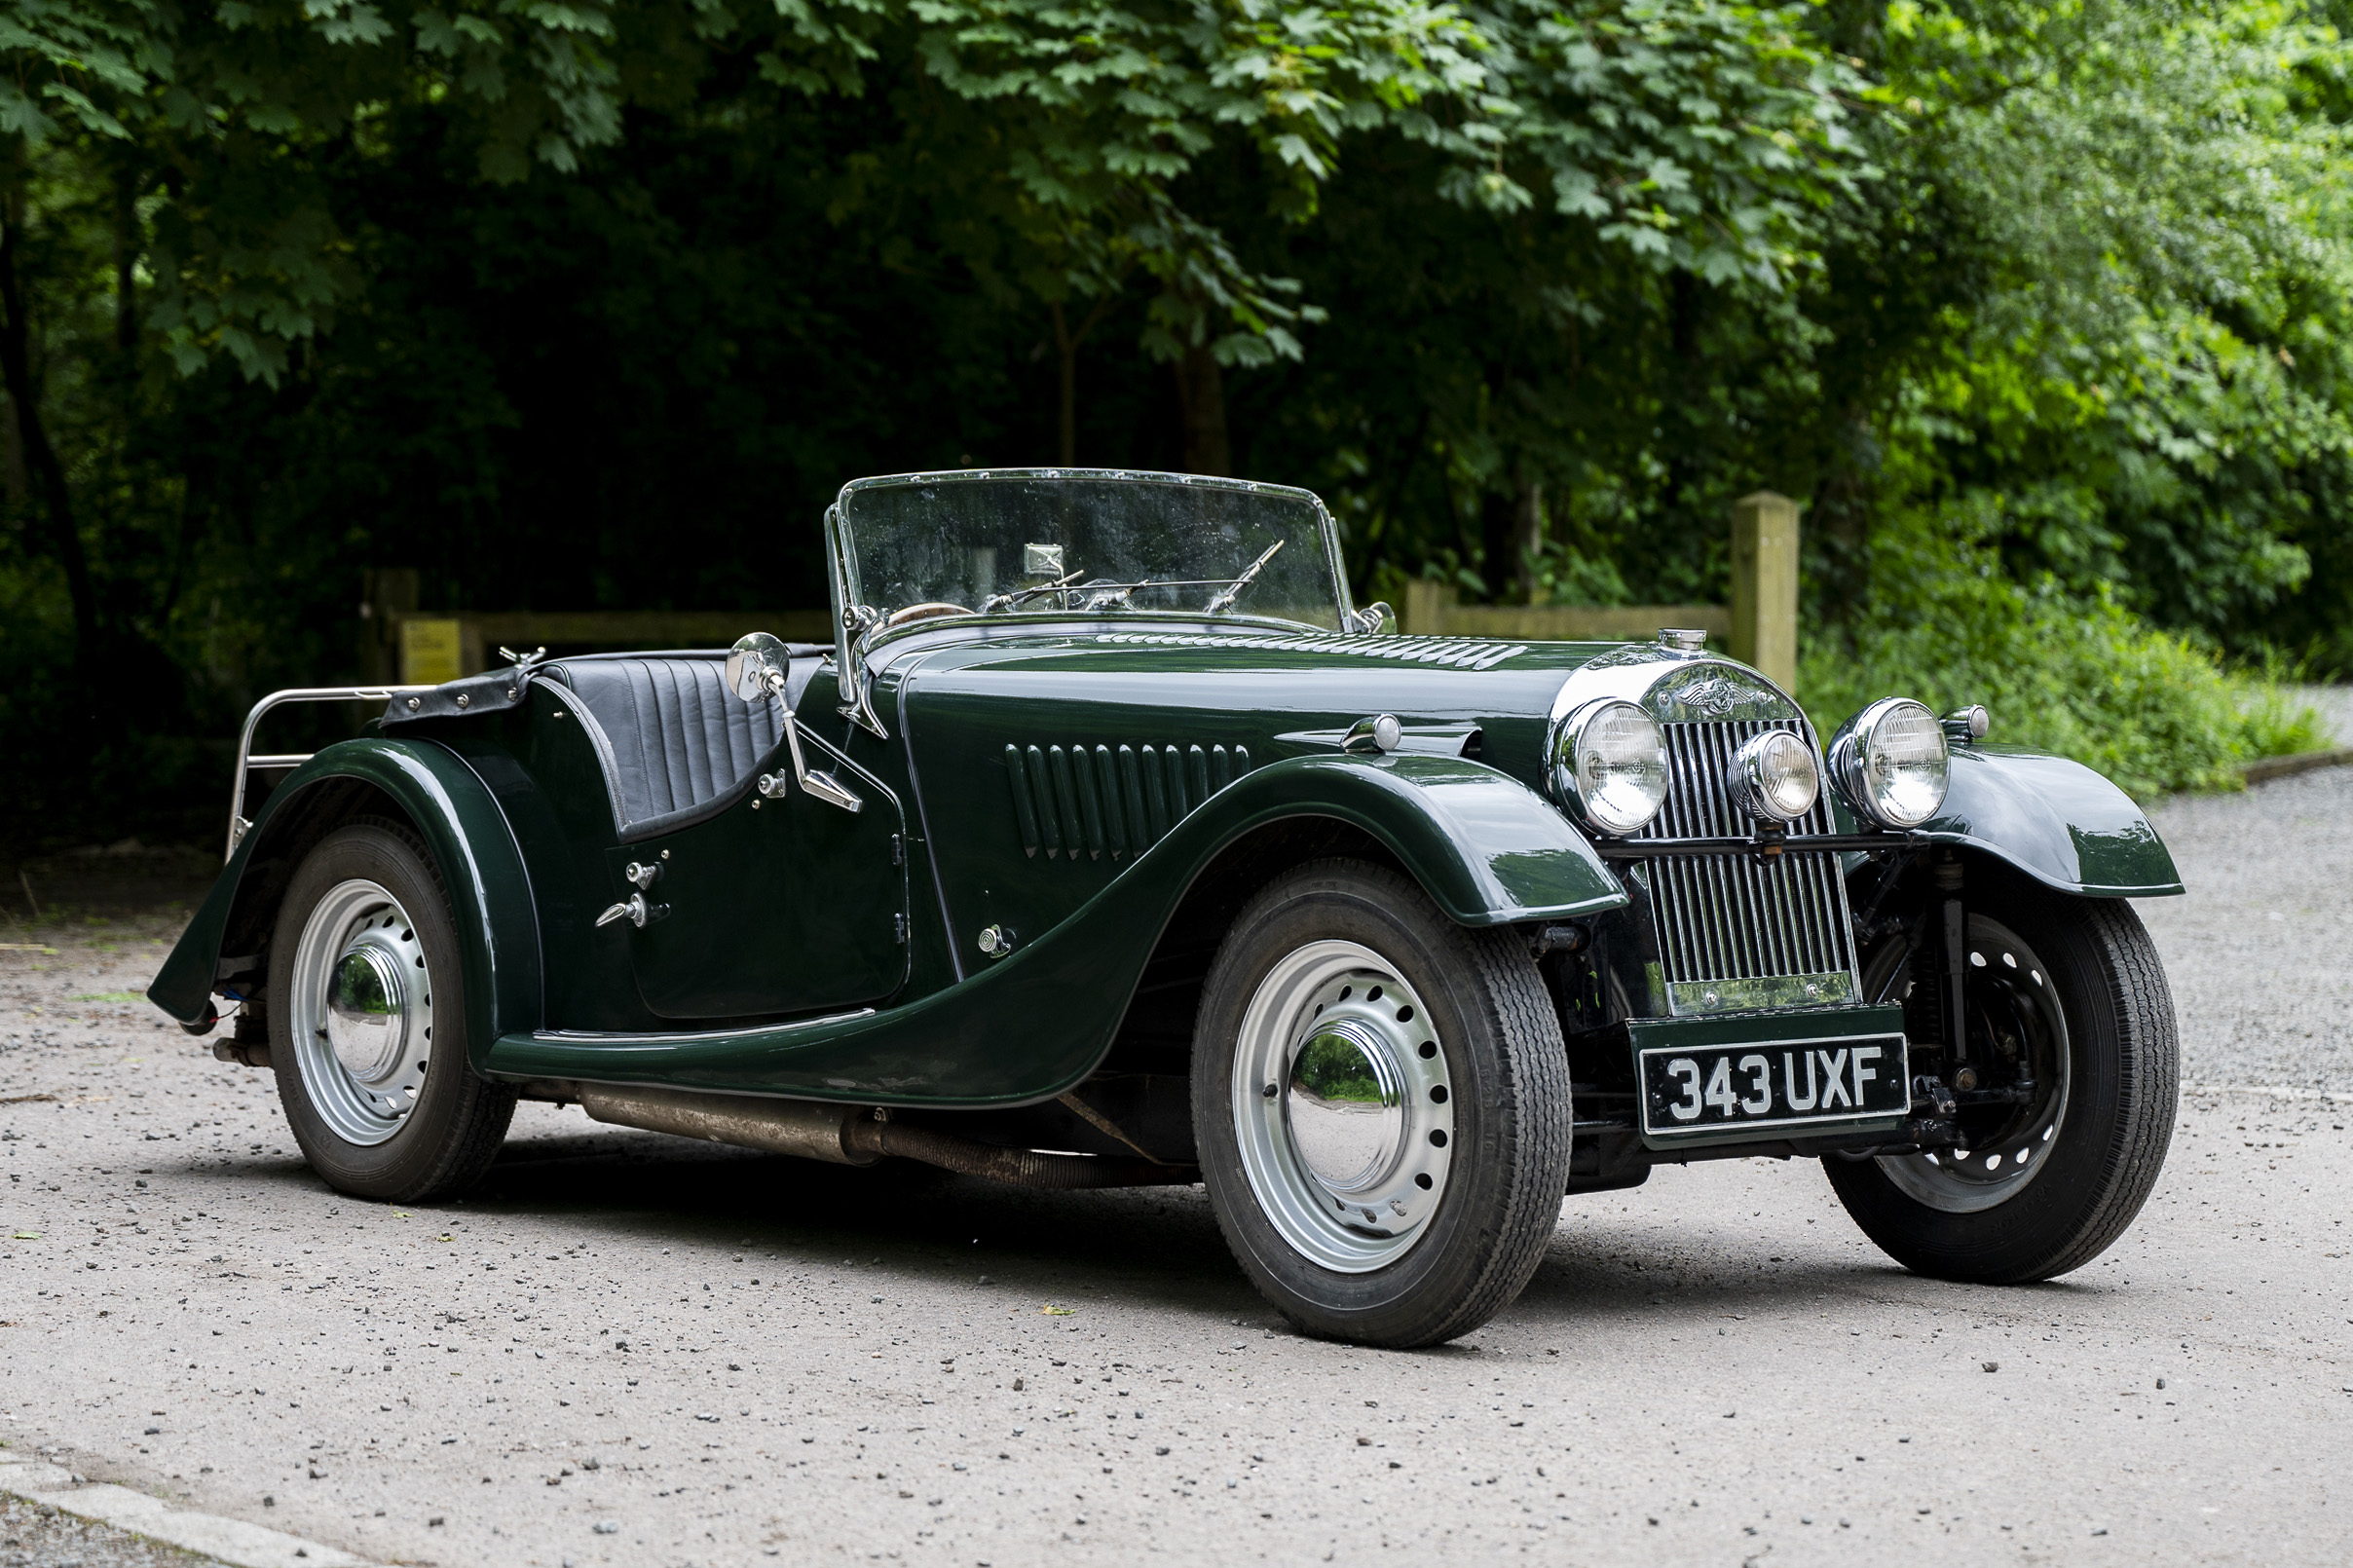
column 1774, row 776
column 1613, row 787
column 1892, row 763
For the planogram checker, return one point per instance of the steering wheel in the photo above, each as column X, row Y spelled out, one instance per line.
column 925, row 612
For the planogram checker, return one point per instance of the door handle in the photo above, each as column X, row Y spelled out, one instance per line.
column 637, row 912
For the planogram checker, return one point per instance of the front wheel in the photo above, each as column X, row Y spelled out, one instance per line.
column 2067, row 996
column 1381, row 1102
column 368, row 1023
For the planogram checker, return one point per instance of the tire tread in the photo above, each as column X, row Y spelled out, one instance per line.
column 484, row 1108
column 1530, row 1143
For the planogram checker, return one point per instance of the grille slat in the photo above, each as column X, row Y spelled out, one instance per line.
column 1729, row 918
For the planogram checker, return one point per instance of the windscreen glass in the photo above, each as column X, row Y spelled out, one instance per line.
column 1099, row 543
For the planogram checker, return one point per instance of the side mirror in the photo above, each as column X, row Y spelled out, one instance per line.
column 757, row 670
column 757, row 666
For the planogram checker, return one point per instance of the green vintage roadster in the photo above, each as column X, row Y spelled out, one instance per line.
column 1110, row 843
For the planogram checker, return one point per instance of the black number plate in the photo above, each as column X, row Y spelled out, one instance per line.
column 1785, row 1084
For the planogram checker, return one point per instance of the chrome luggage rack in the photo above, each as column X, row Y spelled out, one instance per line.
column 247, row 762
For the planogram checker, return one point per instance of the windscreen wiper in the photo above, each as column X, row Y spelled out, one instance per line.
column 1225, row 601
column 1006, row 601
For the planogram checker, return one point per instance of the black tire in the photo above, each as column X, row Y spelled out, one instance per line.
column 2106, row 1145
column 1505, row 1086
column 456, row 1120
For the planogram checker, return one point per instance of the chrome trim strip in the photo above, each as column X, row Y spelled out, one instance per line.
column 1758, row 993
column 693, row 1037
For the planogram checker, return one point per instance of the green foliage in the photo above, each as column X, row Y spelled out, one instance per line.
column 2041, row 306
column 2153, row 389
column 2073, row 675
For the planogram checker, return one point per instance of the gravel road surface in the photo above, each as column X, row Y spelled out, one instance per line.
column 626, row 1350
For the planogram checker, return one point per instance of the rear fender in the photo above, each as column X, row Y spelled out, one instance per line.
column 481, row 867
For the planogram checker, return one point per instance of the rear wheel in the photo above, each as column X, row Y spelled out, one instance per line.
column 1381, row 1105
column 2066, row 994
column 368, row 1021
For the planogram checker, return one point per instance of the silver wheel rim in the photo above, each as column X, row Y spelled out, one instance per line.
column 1348, row 1155
column 362, row 1012
column 2014, row 987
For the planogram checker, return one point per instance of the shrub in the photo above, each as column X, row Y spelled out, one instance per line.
column 2064, row 673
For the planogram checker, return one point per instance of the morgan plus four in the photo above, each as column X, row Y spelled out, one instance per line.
column 1110, row 843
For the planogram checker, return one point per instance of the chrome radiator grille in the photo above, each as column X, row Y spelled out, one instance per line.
column 1734, row 933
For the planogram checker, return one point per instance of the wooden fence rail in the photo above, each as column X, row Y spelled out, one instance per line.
column 1759, row 625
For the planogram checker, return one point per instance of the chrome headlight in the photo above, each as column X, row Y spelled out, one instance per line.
column 1890, row 764
column 1609, row 765
column 1772, row 777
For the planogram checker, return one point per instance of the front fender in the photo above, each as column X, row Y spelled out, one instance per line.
column 1028, row 1027
column 481, row 869
column 1490, row 850
column 2058, row 821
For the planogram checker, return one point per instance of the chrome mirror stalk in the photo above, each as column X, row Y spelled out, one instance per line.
column 757, row 668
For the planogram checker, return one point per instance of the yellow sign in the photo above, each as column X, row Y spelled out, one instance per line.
column 428, row 652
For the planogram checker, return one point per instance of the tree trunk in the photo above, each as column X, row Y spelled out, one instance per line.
column 1528, row 530
column 16, row 368
column 1200, row 403
column 1065, row 344
column 1066, row 347
column 127, row 249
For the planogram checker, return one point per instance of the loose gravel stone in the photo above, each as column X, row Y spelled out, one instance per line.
column 380, row 1330
column 2256, row 955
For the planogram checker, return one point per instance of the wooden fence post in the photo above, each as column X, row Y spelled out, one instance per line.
column 387, row 593
column 1765, row 585
column 1425, row 608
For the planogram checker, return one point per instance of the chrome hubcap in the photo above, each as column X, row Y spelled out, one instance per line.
column 2014, row 1014
column 362, row 1012
column 1342, row 1107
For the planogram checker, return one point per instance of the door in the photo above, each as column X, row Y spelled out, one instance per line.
column 774, row 906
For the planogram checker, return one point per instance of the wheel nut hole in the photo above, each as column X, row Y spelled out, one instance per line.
column 1438, row 1137
column 1438, row 1093
column 1428, row 1049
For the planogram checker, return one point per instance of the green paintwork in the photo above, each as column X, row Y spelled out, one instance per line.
column 961, row 699
column 748, row 924
column 481, row 867
column 2057, row 821
column 1062, row 782
column 1033, row 1025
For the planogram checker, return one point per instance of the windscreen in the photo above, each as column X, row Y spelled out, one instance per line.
column 1089, row 542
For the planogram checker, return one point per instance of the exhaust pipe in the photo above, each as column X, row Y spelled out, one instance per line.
column 849, row 1135
column 809, row 1129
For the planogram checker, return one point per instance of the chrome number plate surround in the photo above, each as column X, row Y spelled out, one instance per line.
column 1710, row 1084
